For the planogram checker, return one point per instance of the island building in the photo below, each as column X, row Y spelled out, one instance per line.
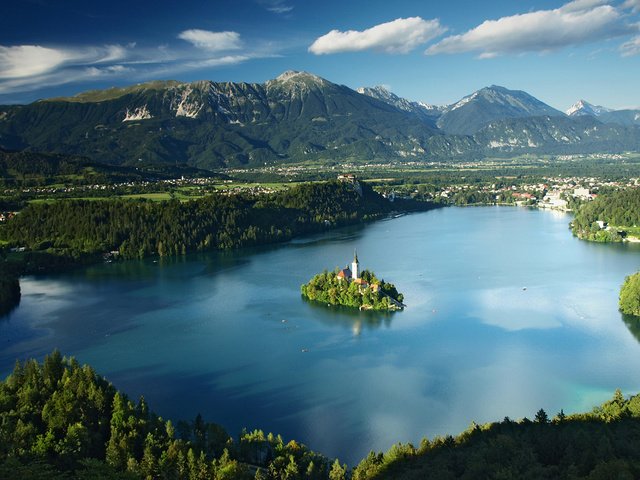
column 354, row 266
column 353, row 274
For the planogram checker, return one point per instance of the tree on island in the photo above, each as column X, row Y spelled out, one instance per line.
column 630, row 295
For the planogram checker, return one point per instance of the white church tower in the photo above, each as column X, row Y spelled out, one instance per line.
column 354, row 266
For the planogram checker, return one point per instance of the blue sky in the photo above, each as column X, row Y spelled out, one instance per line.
column 436, row 52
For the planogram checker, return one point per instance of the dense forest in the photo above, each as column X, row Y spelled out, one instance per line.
column 138, row 228
column 60, row 420
column 373, row 294
column 27, row 168
column 599, row 445
column 620, row 210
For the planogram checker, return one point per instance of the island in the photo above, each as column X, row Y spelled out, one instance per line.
column 353, row 288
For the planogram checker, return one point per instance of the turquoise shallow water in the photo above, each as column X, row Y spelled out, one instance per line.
column 507, row 313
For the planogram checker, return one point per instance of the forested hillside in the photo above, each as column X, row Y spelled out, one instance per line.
column 602, row 444
column 620, row 210
column 140, row 228
column 60, row 420
column 28, row 168
column 296, row 117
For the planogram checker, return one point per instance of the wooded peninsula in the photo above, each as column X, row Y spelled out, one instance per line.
column 611, row 217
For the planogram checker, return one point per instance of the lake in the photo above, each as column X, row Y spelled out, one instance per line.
column 507, row 313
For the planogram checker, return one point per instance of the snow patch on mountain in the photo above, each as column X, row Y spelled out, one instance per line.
column 433, row 108
column 140, row 113
column 464, row 101
column 186, row 107
column 582, row 107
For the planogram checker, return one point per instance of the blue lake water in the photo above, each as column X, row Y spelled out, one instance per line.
column 507, row 313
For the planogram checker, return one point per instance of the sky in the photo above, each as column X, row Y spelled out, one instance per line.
column 431, row 51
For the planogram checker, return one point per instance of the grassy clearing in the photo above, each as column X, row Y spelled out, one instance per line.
column 52, row 200
column 274, row 186
column 156, row 197
column 633, row 231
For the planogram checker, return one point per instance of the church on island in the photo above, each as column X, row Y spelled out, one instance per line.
column 352, row 287
column 352, row 275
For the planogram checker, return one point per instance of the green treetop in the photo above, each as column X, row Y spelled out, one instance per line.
column 630, row 295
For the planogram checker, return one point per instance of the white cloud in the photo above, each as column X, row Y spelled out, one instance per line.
column 398, row 36
column 212, row 41
column 575, row 23
column 280, row 9
column 25, row 68
column 111, row 70
column 219, row 62
column 634, row 5
column 28, row 60
column 631, row 48
column 276, row 6
column 24, row 61
column 582, row 5
column 113, row 53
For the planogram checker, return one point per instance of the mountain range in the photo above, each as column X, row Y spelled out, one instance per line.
column 299, row 116
column 605, row 115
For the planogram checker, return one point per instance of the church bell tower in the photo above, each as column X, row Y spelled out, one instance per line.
column 355, row 266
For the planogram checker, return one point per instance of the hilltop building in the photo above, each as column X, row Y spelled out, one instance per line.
column 353, row 180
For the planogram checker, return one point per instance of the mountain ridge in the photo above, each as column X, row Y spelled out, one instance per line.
column 627, row 117
column 295, row 117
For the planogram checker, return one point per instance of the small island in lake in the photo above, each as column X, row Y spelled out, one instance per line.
column 351, row 288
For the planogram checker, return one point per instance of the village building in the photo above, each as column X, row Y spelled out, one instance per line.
column 344, row 274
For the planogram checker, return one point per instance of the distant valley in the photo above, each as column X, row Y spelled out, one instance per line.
column 300, row 117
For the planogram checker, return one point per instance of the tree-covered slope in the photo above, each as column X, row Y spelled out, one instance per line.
column 60, row 420
column 28, row 168
column 620, row 210
column 295, row 117
column 491, row 104
column 139, row 228
column 207, row 124
column 602, row 444
column 556, row 135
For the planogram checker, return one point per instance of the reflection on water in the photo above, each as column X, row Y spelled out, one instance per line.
column 507, row 313
column 633, row 324
column 339, row 315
